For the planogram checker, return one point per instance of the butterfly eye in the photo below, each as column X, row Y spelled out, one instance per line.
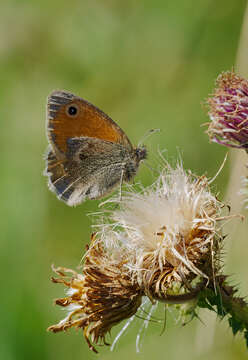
column 72, row 110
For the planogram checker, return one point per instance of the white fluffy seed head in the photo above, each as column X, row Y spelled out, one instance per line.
column 165, row 228
column 159, row 243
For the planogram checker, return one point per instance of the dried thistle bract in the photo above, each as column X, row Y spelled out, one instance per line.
column 170, row 232
column 163, row 242
column 99, row 298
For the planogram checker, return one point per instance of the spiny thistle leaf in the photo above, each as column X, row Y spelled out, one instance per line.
column 225, row 303
column 235, row 324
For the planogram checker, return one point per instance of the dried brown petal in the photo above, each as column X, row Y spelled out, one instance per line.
column 99, row 298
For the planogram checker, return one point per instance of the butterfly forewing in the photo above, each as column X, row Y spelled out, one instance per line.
column 87, row 120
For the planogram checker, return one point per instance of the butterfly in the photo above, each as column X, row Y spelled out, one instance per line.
column 89, row 154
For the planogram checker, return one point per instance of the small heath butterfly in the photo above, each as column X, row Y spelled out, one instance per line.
column 88, row 154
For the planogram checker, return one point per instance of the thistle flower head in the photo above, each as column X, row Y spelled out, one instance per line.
column 228, row 111
column 158, row 244
column 167, row 231
column 99, row 297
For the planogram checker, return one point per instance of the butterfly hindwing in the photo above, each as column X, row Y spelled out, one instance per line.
column 60, row 181
column 88, row 159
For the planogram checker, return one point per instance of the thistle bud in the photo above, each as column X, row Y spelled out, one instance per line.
column 228, row 111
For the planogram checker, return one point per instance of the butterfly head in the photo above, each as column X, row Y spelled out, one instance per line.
column 140, row 153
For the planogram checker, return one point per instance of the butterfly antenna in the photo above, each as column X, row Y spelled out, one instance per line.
column 147, row 135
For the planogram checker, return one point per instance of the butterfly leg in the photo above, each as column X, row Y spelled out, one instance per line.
column 121, row 182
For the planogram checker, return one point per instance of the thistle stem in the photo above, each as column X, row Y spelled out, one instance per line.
column 180, row 298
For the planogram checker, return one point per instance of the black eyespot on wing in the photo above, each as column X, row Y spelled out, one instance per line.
column 72, row 110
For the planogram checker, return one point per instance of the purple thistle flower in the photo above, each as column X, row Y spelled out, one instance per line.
column 228, row 111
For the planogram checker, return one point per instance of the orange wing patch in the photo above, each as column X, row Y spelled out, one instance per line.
column 70, row 116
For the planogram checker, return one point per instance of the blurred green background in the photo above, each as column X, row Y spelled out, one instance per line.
column 148, row 64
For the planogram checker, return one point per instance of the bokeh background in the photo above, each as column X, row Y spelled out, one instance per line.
column 148, row 64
